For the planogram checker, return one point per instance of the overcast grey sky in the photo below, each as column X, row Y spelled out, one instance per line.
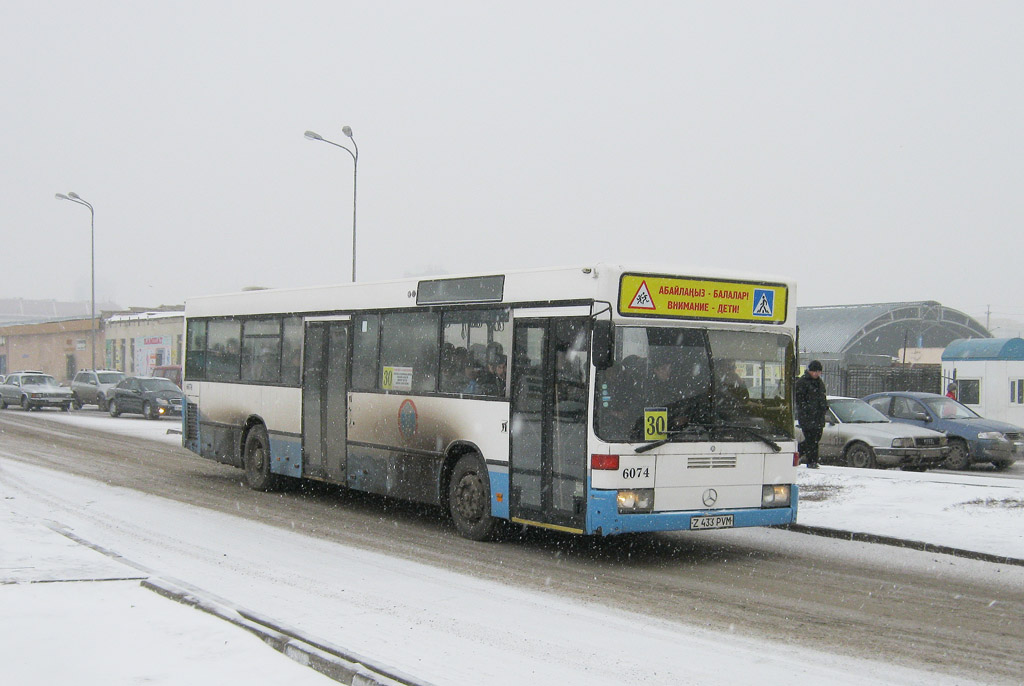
column 872, row 151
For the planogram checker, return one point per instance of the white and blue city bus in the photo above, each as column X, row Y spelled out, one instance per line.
column 595, row 400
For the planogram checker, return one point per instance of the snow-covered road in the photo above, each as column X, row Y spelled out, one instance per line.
column 452, row 628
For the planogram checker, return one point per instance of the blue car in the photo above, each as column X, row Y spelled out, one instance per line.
column 972, row 438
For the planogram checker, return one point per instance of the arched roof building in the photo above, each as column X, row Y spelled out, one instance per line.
column 840, row 331
column 859, row 344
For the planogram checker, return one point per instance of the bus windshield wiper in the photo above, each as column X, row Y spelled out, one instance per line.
column 753, row 433
column 669, row 435
column 706, row 428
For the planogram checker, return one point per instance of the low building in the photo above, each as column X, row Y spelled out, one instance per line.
column 137, row 342
column 989, row 374
column 58, row 348
column 131, row 342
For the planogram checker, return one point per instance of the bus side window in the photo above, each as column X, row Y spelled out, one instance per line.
column 261, row 350
column 223, row 347
column 291, row 351
column 364, row 352
column 195, row 359
column 411, row 340
column 474, row 341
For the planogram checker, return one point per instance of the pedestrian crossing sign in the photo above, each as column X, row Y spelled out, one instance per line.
column 764, row 302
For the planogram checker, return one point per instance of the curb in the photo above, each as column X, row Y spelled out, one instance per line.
column 333, row 662
column 903, row 543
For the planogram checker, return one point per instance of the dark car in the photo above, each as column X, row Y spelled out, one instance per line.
column 33, row 390
column 972, row 438
column 146, row 395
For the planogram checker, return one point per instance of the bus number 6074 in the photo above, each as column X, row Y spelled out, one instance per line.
column 636, row 472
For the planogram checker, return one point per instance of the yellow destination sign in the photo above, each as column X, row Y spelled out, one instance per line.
column 664, row 296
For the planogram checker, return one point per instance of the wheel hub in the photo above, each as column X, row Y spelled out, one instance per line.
column 469, row 497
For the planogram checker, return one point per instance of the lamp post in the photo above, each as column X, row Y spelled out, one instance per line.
column 347, row 130
column 74, row 197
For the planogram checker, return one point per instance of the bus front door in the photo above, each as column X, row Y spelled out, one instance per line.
column 548, row 461
column 324, row 400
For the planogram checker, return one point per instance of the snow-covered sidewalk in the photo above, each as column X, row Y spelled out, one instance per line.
column 966, row 511
column 72, row 615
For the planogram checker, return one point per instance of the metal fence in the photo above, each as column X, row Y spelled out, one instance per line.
column 857, row 382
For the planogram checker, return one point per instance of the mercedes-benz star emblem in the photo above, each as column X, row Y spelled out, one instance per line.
column 710, row 497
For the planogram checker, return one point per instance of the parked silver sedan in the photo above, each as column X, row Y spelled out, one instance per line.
column 860, row 436
column 32, row 390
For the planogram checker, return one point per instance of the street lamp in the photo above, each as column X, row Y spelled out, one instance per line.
column 347, row 130
column 74, row 197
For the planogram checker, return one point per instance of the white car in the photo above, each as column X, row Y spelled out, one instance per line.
column 33, row 390
column 858, row 435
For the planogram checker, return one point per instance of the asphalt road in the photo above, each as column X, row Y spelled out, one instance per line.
column 909, row 608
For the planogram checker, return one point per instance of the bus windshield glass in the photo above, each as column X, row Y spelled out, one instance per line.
column 701, row 379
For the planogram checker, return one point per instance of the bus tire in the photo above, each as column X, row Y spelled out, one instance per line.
column 469, row 499
column 256, row 460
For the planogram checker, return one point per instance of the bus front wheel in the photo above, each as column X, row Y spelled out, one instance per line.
column 469, row 499
column 257, row 460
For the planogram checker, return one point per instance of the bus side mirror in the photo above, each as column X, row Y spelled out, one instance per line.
column 604, row 344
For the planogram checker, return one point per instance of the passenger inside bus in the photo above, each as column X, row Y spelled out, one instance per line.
column 492, row 381
column 454, row 362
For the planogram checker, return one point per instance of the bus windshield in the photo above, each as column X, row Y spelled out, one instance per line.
column 701, row 377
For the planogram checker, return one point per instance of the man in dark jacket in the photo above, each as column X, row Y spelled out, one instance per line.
column 811, row 406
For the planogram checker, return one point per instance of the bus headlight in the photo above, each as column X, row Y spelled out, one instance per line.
column 636, row 500
column 775, row 495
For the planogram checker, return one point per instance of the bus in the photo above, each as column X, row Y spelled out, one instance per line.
column 601, row 399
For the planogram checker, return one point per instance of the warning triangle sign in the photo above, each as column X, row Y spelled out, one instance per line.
column 642, row 300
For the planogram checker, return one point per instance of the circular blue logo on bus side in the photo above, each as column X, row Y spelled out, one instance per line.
column 407, row 418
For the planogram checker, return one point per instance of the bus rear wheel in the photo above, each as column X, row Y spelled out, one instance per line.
column 469, row 499
column 256, row 460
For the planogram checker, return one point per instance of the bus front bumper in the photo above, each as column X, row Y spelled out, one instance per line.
column 604, row 519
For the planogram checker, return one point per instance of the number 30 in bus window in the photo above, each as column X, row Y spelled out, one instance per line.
column 655, row 423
